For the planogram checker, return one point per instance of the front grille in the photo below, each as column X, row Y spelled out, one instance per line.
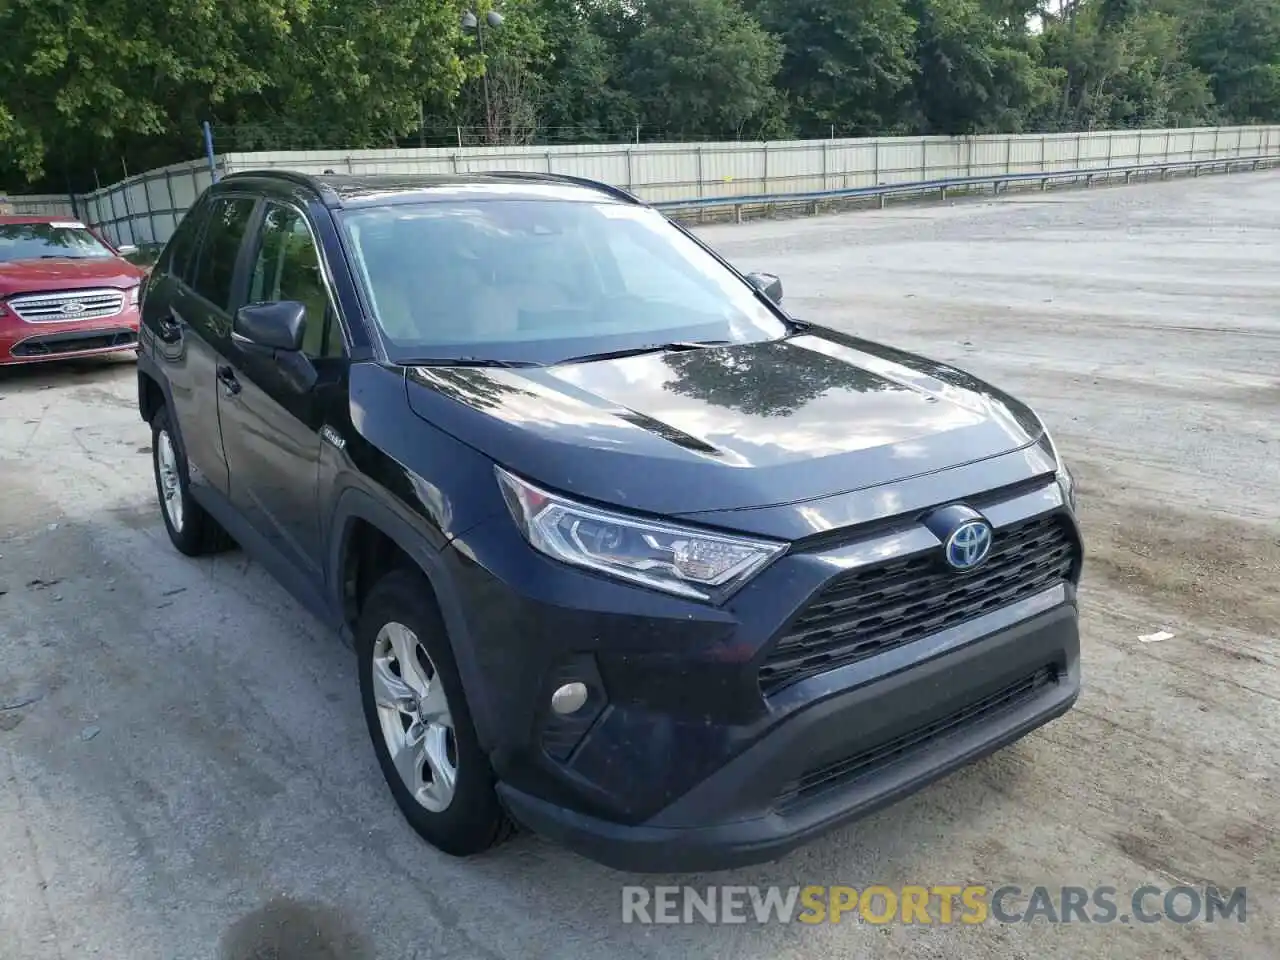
column 68, row 306
column 55, row 345
column 874, row 609
column 875, row 758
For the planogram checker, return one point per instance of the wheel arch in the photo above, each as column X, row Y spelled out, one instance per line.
column 362, row 530
column 153, row 389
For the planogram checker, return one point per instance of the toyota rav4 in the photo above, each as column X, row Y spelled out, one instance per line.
column 628, row 555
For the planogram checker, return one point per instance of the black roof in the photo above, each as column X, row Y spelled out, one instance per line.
column 352, row 190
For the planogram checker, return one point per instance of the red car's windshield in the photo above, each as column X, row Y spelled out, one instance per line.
column 66, row 239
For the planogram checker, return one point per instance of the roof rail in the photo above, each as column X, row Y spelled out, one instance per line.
column 616, row 192
column 326, row 192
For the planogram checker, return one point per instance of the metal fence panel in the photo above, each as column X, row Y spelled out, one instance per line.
column 145, row 209
column 39, row 205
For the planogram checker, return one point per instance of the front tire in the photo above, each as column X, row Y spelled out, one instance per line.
column 419, row 721
column 189, row 526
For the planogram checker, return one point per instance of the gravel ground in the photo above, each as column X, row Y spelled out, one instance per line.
column 184, row 771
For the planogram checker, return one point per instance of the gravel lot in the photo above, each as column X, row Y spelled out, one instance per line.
column 192, row 774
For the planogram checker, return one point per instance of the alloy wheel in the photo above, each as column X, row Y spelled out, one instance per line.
column 170, row 481
column 414, row 717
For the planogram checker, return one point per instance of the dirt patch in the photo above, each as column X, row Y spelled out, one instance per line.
column 1209, row 568
column 286, row 929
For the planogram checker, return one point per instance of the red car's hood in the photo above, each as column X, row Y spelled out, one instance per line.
column 31, row 276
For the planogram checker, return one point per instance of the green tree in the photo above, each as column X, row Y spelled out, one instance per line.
column 87, row 79
column 584, row 95
column 846, row 65
column 702, row 67
column 506, row 84
column 1237, row 44
column 1125, row 66
column 361, row 74
column 87, row 85
column 81, row 75
column 975, row 72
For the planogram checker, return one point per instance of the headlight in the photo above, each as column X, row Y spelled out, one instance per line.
column 133, row 295
column 691, row 563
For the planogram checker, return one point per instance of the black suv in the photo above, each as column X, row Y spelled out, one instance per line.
column 628, row 555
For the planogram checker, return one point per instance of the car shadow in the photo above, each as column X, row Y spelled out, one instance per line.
column 46, row 374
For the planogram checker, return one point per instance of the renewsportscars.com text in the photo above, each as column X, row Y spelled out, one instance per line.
column 937, row 904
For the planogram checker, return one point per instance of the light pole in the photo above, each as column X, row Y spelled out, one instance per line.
column 471, row 22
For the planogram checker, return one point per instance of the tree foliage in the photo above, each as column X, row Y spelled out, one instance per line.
column 91, row 87
column 974, row 74
column 699, row 67
column 847, row 65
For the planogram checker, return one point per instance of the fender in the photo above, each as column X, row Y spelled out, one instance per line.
column 357, row 504
column 149, row 370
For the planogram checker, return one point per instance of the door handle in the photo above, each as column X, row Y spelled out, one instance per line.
column 227, row 377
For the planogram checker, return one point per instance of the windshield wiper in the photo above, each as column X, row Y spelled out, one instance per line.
column 673, row 347
column 464, row 362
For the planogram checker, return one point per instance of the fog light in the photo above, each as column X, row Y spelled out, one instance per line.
column 569, row 698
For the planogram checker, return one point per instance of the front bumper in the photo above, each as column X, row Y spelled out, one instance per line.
column 842, row 758
column 683, row 758
column 22, row 342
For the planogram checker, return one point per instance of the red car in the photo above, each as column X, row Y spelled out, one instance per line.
column 64, row 292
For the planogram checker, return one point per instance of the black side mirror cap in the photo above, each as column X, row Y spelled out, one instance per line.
column 278, row 325
column 767, row 284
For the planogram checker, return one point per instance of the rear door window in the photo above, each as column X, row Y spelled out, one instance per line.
column 215, row 266
column 182, row 245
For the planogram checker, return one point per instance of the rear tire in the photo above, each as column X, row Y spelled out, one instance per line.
column 189, row 526
column 420, row 723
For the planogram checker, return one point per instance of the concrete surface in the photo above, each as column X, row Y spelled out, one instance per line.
column 184, row 772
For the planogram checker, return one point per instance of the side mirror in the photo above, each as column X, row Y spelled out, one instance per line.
column 767, row 284
column 127, row 250
column 276, row 329
column 271, row 326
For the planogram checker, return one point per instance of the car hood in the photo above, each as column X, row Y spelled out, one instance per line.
column 724, row 428
column 30, row 276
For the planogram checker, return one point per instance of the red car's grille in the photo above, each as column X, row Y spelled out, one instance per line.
column 67, row 306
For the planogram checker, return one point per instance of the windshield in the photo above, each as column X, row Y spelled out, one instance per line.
column 543, row 281
column 44, row 241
